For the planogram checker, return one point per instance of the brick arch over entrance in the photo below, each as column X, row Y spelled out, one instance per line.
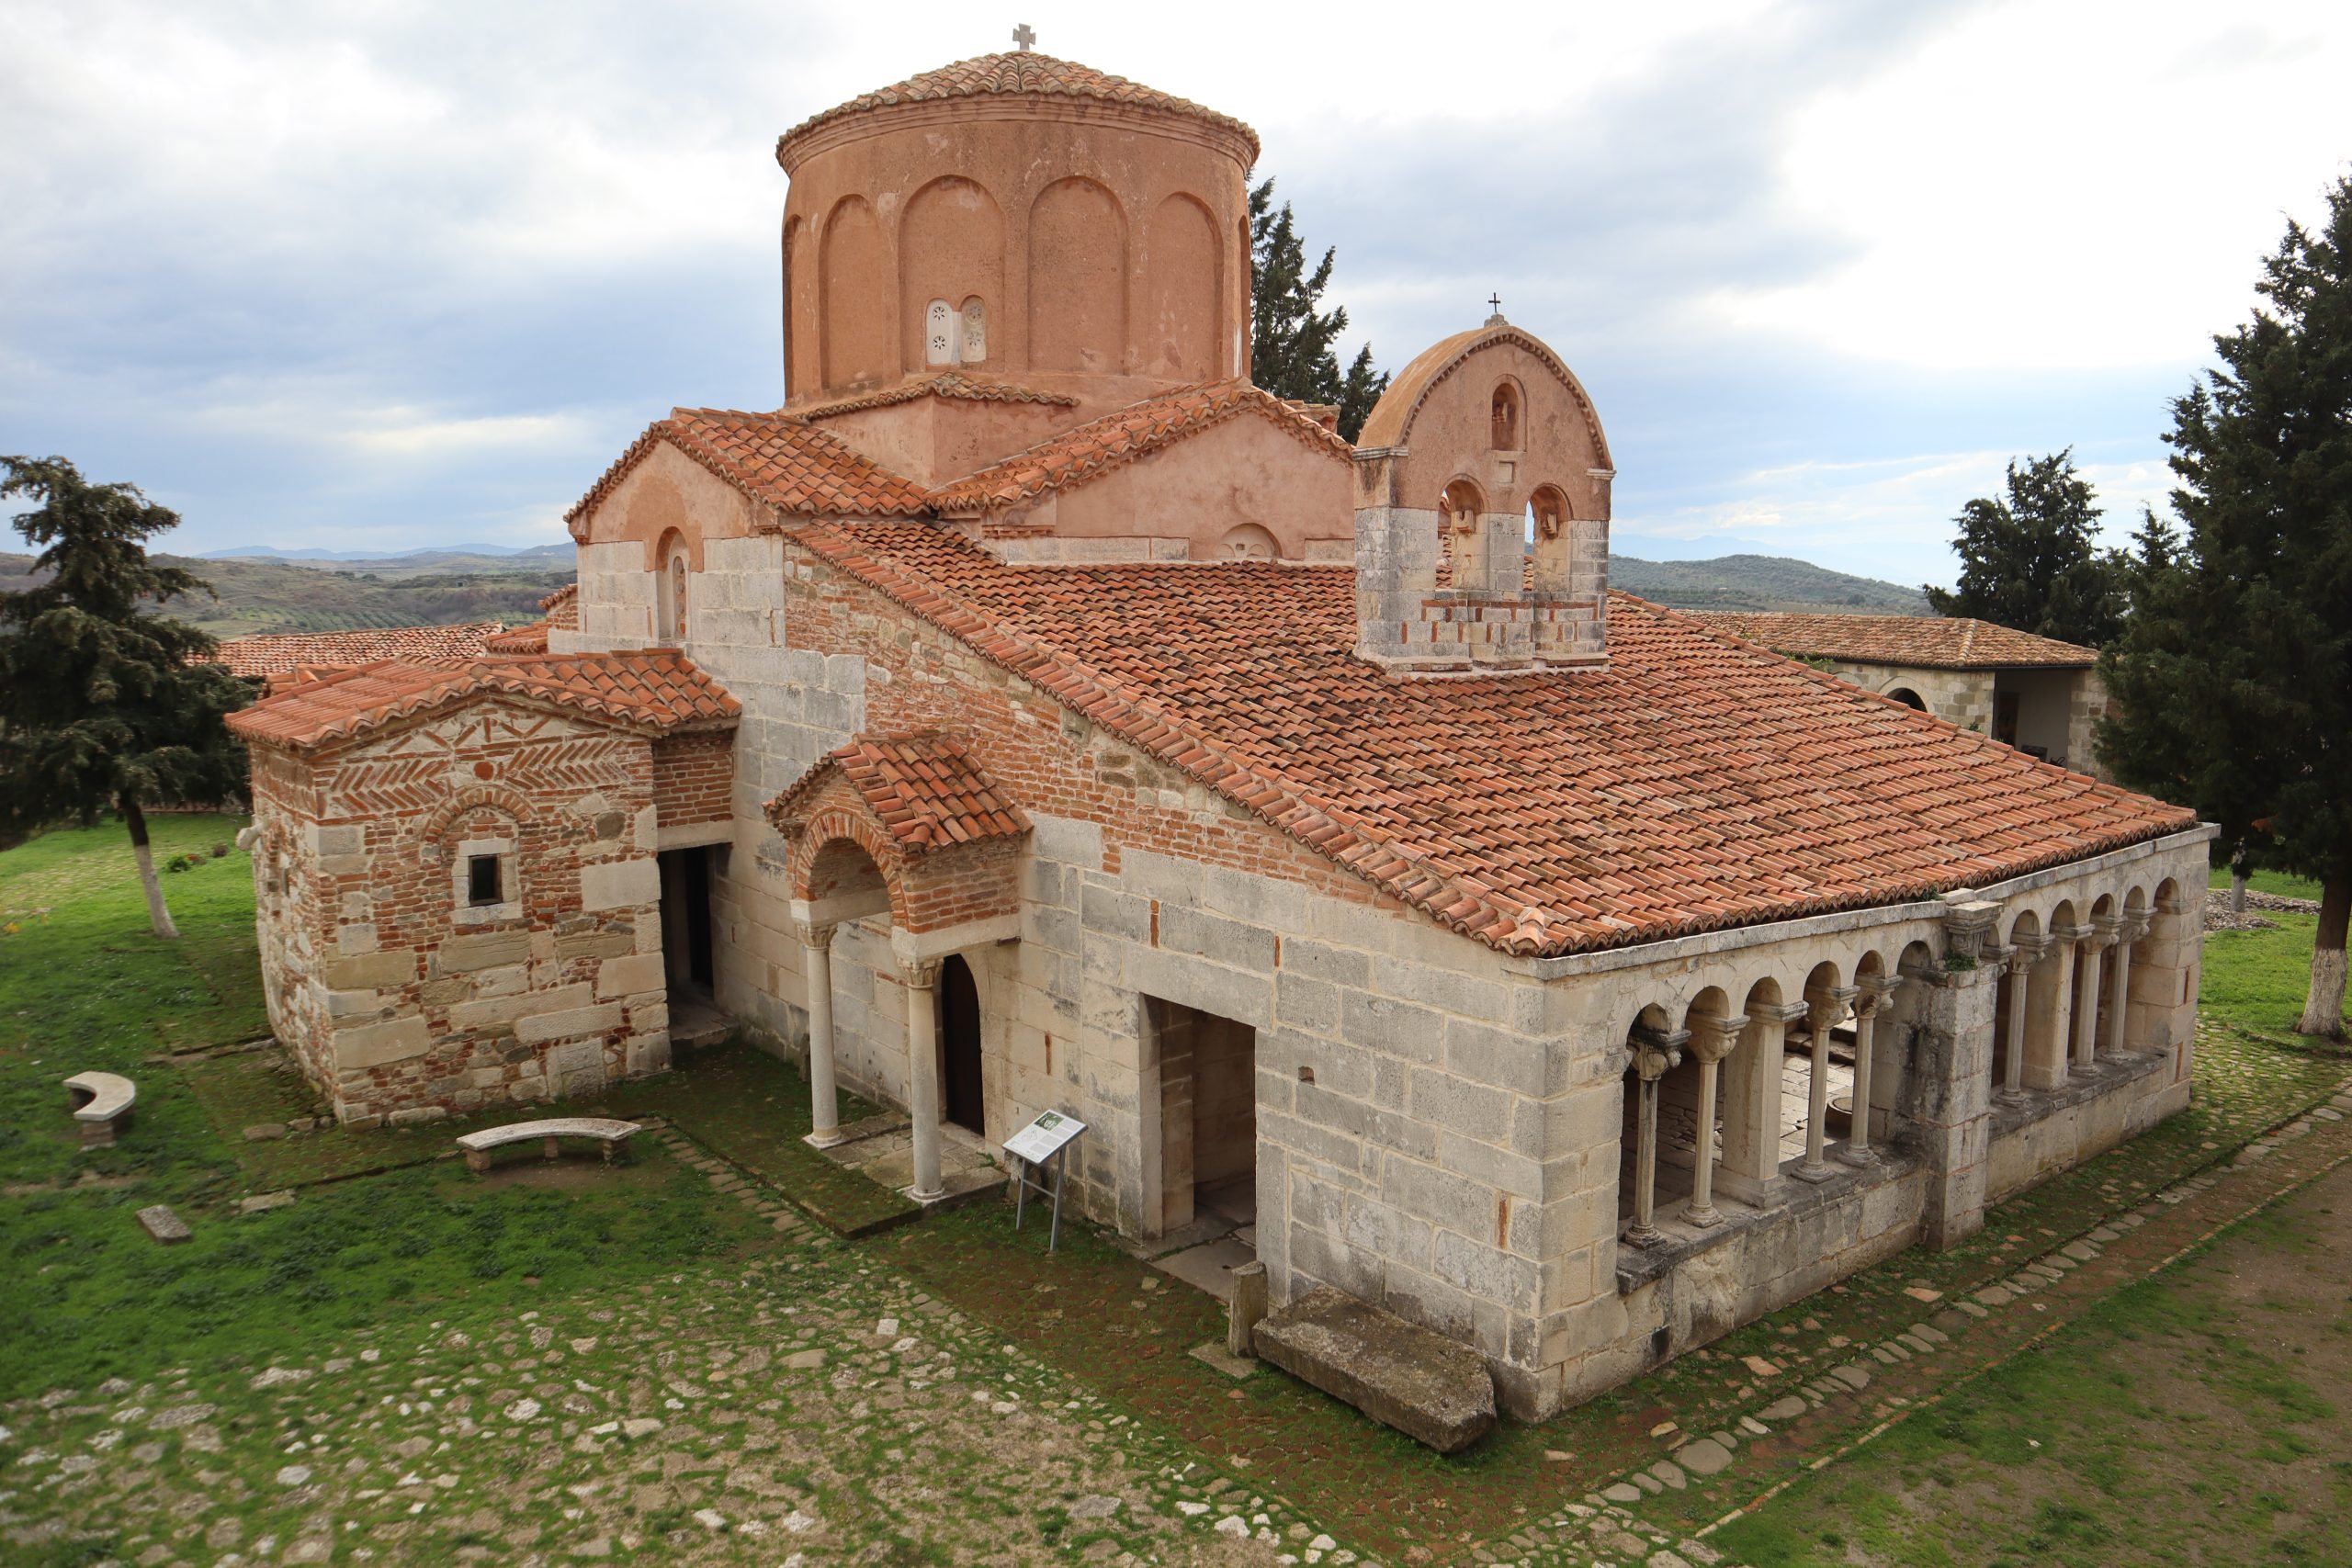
column 945, row 840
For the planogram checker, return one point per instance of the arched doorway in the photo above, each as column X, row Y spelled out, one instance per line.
column 959, row 1045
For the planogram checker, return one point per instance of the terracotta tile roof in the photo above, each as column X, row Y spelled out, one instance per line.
column 1116, row 439
column 951, row 384
column 1696, row 783
column 774, row 459
column 923, row 788
column 286, row 652
column 562, row 607
column 1927, row 642
column 532, row 639
column 657, row 689
column 1019, row 74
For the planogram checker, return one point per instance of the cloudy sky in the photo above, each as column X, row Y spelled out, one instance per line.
column 384, row 275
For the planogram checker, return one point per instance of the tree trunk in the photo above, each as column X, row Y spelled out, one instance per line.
column 2323, row 1009
column 161, row 917
column 2237, row 881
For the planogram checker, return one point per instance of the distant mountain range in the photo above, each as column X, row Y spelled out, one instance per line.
column 438, row 558
column 325, row 590
column 1761, row 582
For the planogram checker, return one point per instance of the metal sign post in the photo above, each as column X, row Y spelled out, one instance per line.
column 1049, row 1137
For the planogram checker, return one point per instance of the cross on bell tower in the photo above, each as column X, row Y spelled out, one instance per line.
column 1024, row 36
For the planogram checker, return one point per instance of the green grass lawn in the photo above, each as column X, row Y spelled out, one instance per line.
column 385, row 1233
column 85, row 984
column 2276, row 882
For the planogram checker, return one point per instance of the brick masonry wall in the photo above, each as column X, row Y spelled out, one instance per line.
column 407, row 1002
column 694, row 778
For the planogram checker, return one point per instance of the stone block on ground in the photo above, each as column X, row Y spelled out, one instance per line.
column 162, row 1225
column 1434, row 1390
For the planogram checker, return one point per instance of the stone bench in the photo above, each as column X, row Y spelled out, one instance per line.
column 609, row 1135
column 1433, row 1389
column 101, row 1102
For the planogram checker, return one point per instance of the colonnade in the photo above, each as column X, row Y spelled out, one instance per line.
column 2058, row 982
column 921, row 978
column 1739, row 1059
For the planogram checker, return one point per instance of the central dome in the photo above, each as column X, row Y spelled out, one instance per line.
column 1016, row 75
column 1020, row 218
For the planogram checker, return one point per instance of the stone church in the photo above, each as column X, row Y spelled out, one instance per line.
column 1033, row 713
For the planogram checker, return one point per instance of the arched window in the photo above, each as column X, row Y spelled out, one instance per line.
column 1462, row 504
column 1547, row 513
column 1504, row 431
column 670, row 592
column 1908, row 698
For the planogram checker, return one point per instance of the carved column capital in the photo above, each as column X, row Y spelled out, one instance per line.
column 1969, row 925
column 1825, row 1007
column 1656, row 1052
column 1713, row 1038
column 1876, row 991
column 814, row 934
column 922, row 974
column 1776, row 1012
column 2030, row 949
column 2107, row 929
column 2070, row 936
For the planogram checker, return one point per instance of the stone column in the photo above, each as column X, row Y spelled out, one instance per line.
column 824, row 1121
column 2086, row 989
column 2025, row 954
column 1951, row 1114
column 922, row 976
column 1876, row 990
column 1823, row 1010
column 1655, row 1054
column 1752, row 1103
column 2053, row 1010
column 1711, row 1040
column 2127, row 931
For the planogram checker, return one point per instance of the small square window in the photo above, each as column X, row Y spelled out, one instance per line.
column 481, row 879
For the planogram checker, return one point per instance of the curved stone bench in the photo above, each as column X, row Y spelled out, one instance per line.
column 609, row 1135
column 101, row 1102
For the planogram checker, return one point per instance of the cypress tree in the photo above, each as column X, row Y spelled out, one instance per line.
column 1291, row 338
column 2030, row 560
column 2232, row 679
column 103, row 703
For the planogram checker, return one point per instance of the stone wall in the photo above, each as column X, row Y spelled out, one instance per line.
column 1964, row 697
column 403, row 998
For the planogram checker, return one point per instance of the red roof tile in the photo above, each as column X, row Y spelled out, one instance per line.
column 562, row 607
column 1695, row 783
column 1927, row 642
column 283, row 653
column 657, row 689
column 1021, row 74
column 925, row 791
column 532, row 639
column 774, row 459
column 954, row 385
column 1116, row 439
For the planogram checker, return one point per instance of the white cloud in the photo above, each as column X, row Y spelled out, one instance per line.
column 2063, row 184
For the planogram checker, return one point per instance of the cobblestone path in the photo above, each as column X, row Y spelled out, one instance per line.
column 810, row 1409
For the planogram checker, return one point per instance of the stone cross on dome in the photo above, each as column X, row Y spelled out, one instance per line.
column 1024, row 35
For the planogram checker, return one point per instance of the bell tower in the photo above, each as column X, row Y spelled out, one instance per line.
column 1482, row 513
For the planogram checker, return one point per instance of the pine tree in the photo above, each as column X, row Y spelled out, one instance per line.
column 1291, row 340
column 102, row 702
column 2031, row 560
column 2232, row 679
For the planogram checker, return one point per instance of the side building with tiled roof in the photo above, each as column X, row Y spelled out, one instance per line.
column 2039, row 695
column 1034, row 716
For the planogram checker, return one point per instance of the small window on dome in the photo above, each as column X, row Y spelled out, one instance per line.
column 976, row 331
column 941, row 334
